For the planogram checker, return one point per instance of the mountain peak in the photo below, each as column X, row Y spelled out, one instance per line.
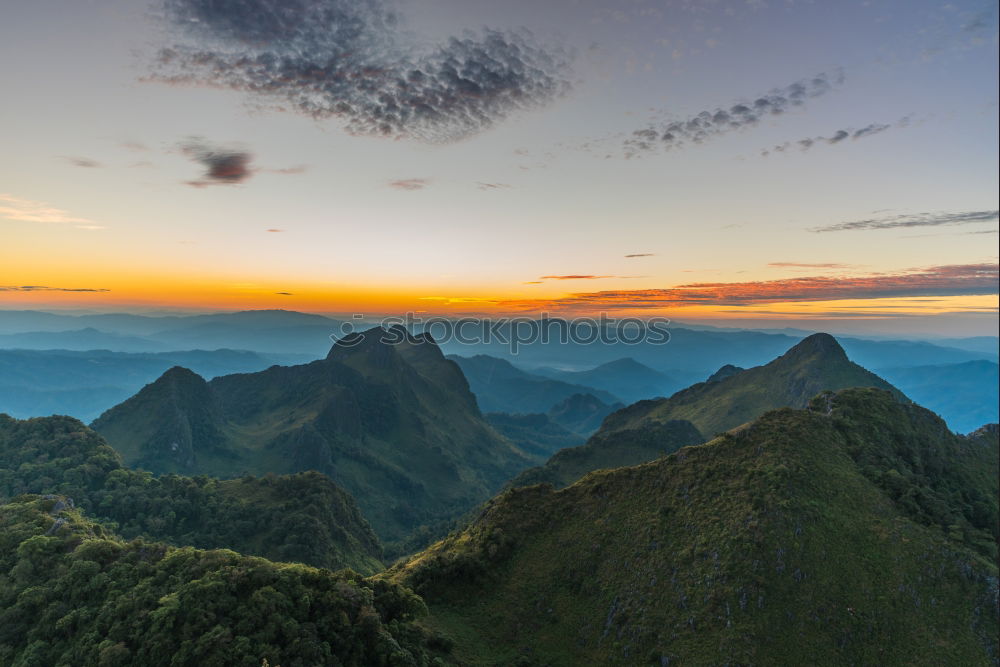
column 817, row 345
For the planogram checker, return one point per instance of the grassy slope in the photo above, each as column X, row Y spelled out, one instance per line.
column 780, row 544
column 303, row 517
column 816, row 364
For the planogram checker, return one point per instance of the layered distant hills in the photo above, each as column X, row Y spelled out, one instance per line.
column 385, row 415
column 857, row 531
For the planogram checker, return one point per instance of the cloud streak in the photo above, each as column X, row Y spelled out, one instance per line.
column 906, row 221
column 711, row 123
column 351, row 60
column 44, row 288
column 640, row 254
column 950, row 280
column 409, row 184
column 848, row 134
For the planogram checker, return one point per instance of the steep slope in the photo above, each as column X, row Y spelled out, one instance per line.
column 73, row 594
column 499, row 386
column 847, row 533
column 385, row 415
column 816, row 364
column 581, row 413
column 303, row 517
column 626, row 378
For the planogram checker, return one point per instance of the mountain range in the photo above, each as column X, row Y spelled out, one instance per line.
column 384, row 414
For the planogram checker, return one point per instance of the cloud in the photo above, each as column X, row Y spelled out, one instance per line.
column 797, row 265
column 410, row 184
column 353, row 60
column 43, row 288
column 710, row 123
column 641, row 254
column 274, row 231
column 284, row 293
column 493, row 186
column 84, row 162
column 912, row 220
column 950, row 280
column 25, row 210
column 223, row 166
column 837, row 137
column 574, row 277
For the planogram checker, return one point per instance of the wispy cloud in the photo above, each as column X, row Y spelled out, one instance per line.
column 284, row 293
column 409, row 184
column 25, row 210
column 950, row 280
column 848, row 134
column 798, row 265
column 223, row 166
column 274, row 231
column 711, row 123
column 44, row 288
column 913, row 220
column 574, row 277
column 84, row 162
column 351, row 60
column 641, row 254
column 493, row 186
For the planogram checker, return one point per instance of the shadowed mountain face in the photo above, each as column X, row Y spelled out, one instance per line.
column 500, row 386
column 581, row 413
column 303, row 517
column 385, row 415
column 857, row 531
column 732, row 397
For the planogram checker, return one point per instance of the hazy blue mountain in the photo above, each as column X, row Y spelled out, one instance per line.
column 500, row 386
column 79, row 339
column 703, row 351
column 36, row 383
column 626, row 378
column 964, row 395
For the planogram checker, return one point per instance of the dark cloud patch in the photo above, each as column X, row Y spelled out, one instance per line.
column 350, row 60
column 223, row 166
column 493, row 186
column 45, row 288
column 837, row 137
column 640, row 254
column 409, row 184
column 84, row 162
column 913, row 220
column 285, row 293
column 711, row 123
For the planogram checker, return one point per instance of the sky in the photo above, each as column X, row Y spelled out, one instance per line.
column 714, row 160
